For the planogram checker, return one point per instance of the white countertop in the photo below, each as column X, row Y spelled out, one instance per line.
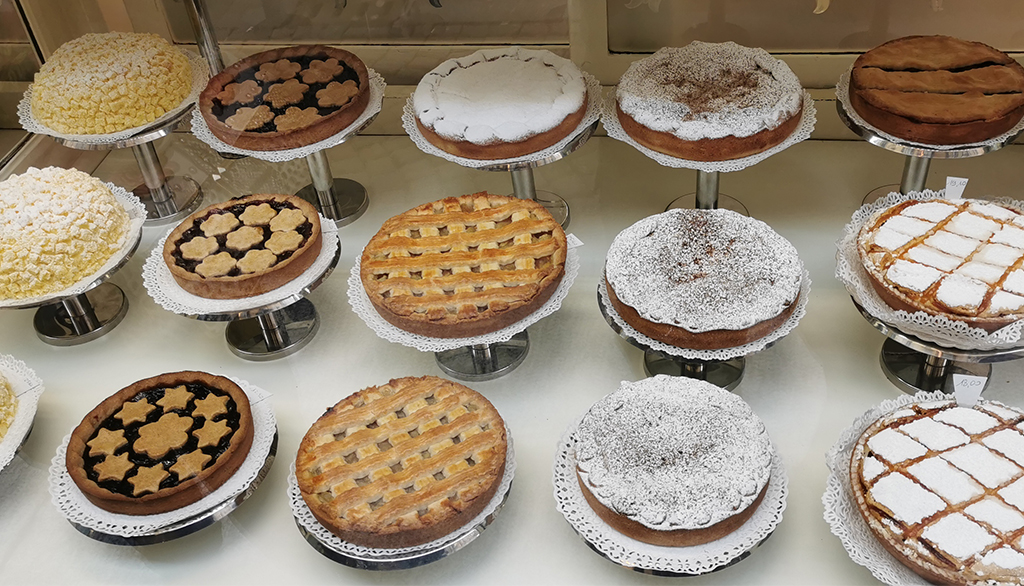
column 806, row 388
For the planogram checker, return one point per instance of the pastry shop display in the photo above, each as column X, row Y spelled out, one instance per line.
column 959, row 259
column 161, row 443
column 102, row 83
column 286, row 98
column 57, row 227
column 709, row 101
column 703, row 279
column 673, row 461
column 500, row 103
column 941, row 487
column 244, row 247
column 938, row 90
column 464, row 266
column 8, row 406
column 402, row 464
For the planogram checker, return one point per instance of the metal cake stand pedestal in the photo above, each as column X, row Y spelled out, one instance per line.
column 918, row 158
column 913, row 364
column 707, row 196
column 483, row 362
column 192, row 524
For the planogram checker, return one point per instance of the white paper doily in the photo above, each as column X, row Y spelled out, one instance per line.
column 66, row 495
column 722, row 354
column 27, row 387
column 136, row 218
column 168, row 294
column 625, row 551
column 843, row 95
column 808, row 118
column 940, row 330
column 592, row 114
column 360, row 303
column 302, row 514
column 200, row 77
column 841, row 512
column 202, row 131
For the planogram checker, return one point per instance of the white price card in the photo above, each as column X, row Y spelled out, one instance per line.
column 955, row 187
column 967, row 388
column 572, row 241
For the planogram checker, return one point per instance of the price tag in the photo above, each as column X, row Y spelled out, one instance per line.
column 955, row 187
column 967, row 389
column 573, row 241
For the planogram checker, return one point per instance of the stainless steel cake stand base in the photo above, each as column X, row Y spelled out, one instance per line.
column 879, row 192
column 186, row 195
column 667, row 574
column 726, row 374
column 191, row 524
column 725, row 202
column 350, row 201
column 555, row 205
column 82, row 318
column 484, row 362
column 274, row 335
column 912, row 371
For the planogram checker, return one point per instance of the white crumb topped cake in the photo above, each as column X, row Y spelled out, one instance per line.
column 942, row 488
column 673, row 460
column 8, row 406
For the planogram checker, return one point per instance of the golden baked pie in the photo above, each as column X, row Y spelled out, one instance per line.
column 276, row 100
column 402, row 464
column 938, row 90
column 152, row 447
column 942, row 488
column 960, row 259
column 244, row 247
column 464, row 266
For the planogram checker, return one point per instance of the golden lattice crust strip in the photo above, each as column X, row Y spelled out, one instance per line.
column 402, row 463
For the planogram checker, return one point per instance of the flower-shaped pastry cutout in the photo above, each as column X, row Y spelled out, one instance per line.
column 280, row 69
column 170, row 432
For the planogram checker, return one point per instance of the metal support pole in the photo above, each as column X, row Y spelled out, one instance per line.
column 522, row 183
column 915, row 174
column 696, row 370
column 934, row 368
column 484, row 360
column 707, row 190
column 205, row 37
column 82, row 316
column 274, row 335
column 323, row 183
column 153, row 176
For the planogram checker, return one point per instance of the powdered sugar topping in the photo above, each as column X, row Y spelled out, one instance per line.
column 905, row 498
column 958, row 536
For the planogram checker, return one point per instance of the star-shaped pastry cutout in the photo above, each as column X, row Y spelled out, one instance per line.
column 148, row 479
column 211, row 433
column 134, row 412
column 211, row 406
column 113, row 468
column 176, row 398
column 190, row 464
column 170, row 432
column 106, row 442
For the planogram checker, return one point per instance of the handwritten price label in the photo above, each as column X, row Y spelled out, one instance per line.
column 968, row 388
column 572, row 241
column 955, row 187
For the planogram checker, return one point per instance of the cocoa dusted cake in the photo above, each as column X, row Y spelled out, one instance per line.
column 703, row 279
column 938, row 90
column 673, row 461
column 709, row 101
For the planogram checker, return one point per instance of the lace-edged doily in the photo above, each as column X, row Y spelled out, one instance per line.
column 843, row 95
column 360, row 303
column 625, row 551
column 308, row 522
column 722, row 354
column 168, row 294
column 841, row 512
column 940, row 330
column 202, row 131
column 136, row 217
column 67, row 497
column 27, row 387
column 200, row 77
column 808, row 118
column 592, row 114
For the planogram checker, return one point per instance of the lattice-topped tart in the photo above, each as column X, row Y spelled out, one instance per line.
column 244, row 247
column 286, row 98
column 464, row 266
column 161, row 443
column 963, row 260
column 942, row 488
column 402, row 464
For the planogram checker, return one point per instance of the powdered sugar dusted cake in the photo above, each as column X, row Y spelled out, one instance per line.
column 709, row 101
column 703, row 278
column 499, row 103
column 960, row 259
column 673, row 460
column 942, row 488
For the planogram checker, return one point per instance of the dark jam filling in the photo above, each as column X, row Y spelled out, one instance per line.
column 309, row 100
column 131, row 433
column 305, row 230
